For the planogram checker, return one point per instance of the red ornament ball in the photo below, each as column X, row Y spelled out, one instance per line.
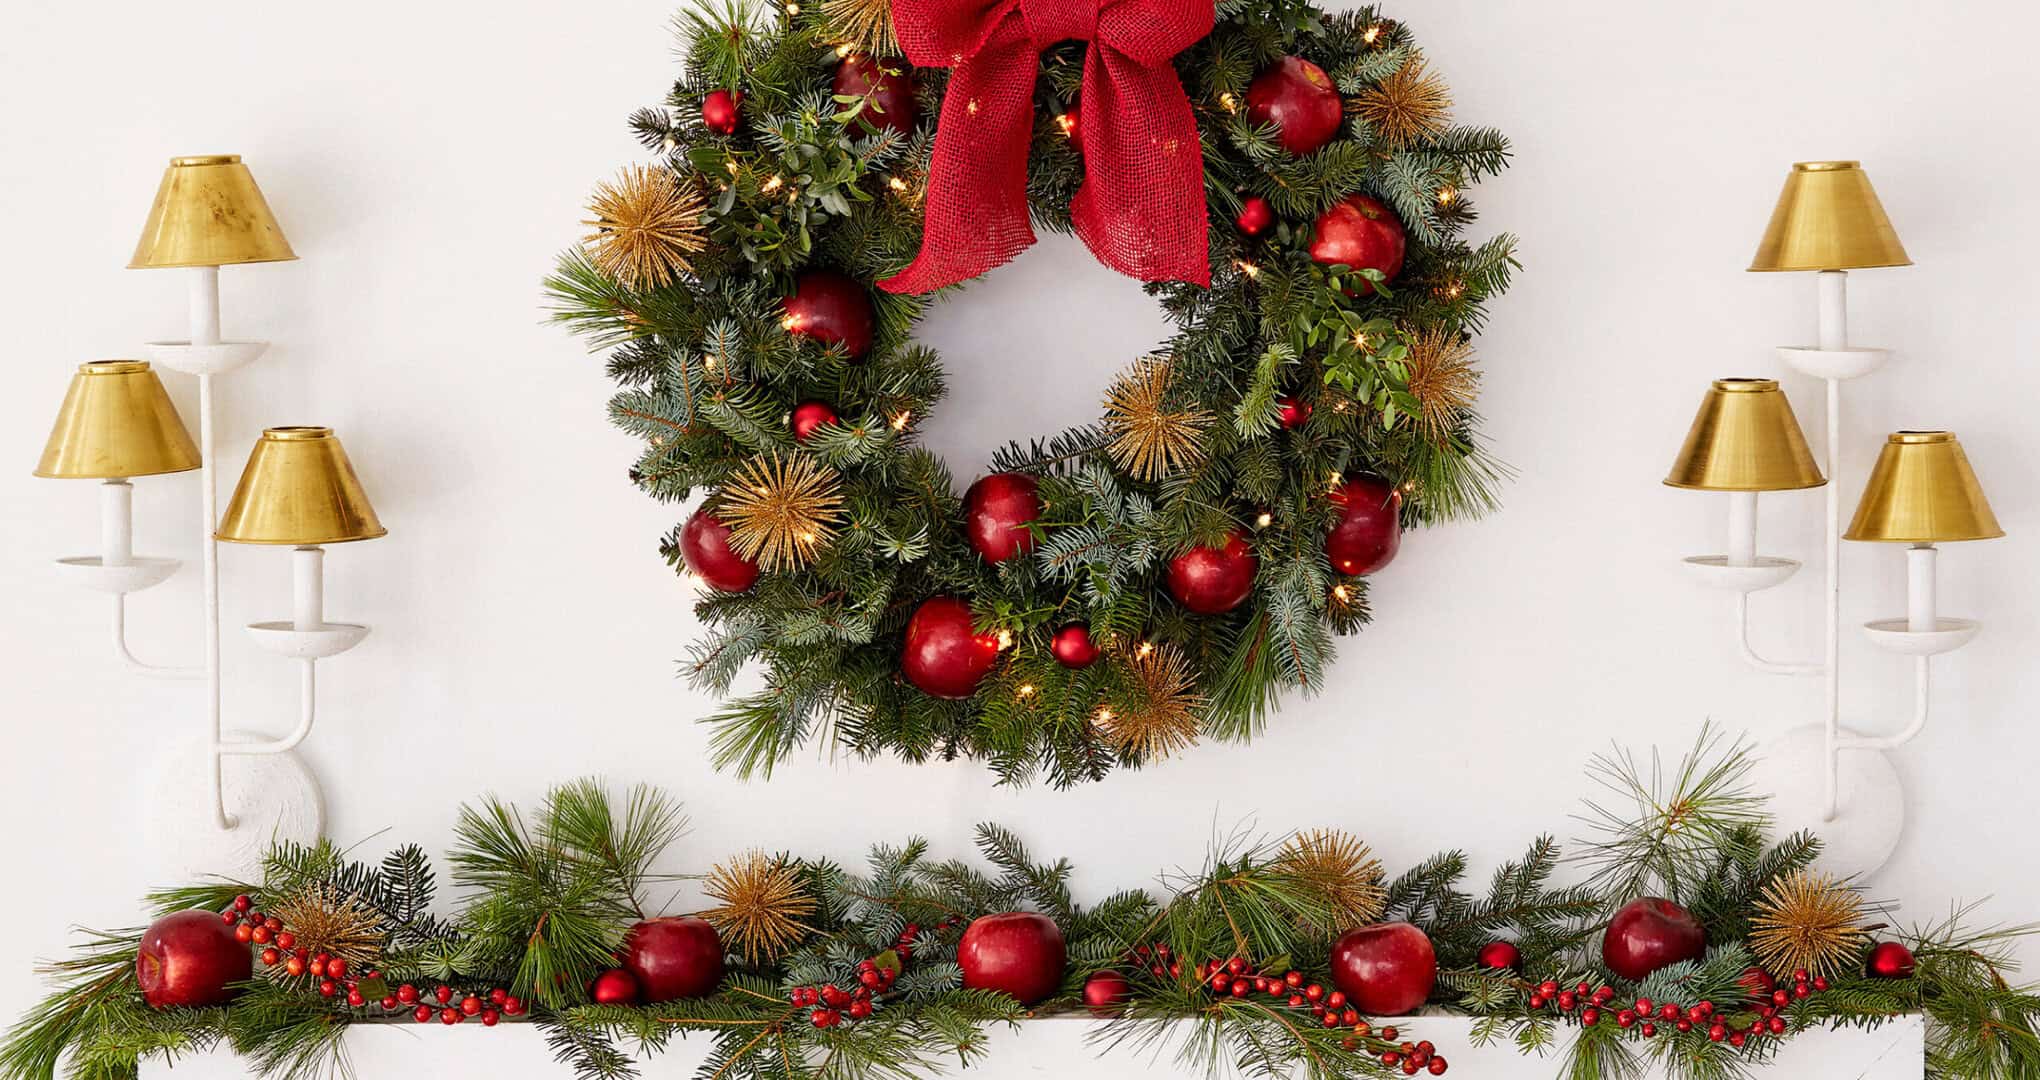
column 1294, row 412
column 613, row 987
column 1369, row 530
column 1385, row 970
column 1648, row 934
column 1891, row 960
column 1019, row 954
column 1758, row 982
column 1106, row 992
column 719, row 111
column 1072, row 646
column 1299, row 99
column 809, row 416
column 1255, row 215
column 1358, row 231
column 1500, row 955
column 673, row 958
column 1212, row 581
column 833, row 309
column 944, row 655
column 889, row 88
column 190, row 959
column 705, row 545
column 996, row 511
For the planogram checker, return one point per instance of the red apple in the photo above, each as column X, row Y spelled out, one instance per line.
column 705, row 546
column 1369, row 530
column 887, row 88
column 996, row 512
column 833, row 309
column 1648, row 934
column 1105, row 992
column 614, row 987
column 1300, row 100
column 1360, row 232
column 190, row 959
column 1019, row 954
column 1385, row 970
column 1213, row 581
column 944, row 656
column 672, row 958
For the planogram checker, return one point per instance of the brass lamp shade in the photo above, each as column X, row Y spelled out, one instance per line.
column 116, row 421
column 299, row 488
column 1828, row 218
column 1745, row 438
column 208, row 212
column 1922, row 491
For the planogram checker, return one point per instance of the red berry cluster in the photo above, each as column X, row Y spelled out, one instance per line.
column 335, row 975
column 1160, row 963
column 1646, row 1016
column 1235, row 977
column 832, row 1004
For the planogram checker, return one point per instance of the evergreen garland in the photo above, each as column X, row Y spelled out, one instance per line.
column 548, row 897
column 708, row 375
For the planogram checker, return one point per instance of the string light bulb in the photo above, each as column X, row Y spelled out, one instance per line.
column 1266, row 519
column 772, row 183
column 1026, row 690
column 1372, row 35
column 1448, row 195
column 1228, row 102
column 1247, row 268
column 1066, row 122
column 899, row 422
column 1005, row 640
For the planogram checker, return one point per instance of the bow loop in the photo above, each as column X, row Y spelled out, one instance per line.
column 1141, row 206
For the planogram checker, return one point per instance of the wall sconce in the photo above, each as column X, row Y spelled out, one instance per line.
column 1746, row 440
column 298, row 489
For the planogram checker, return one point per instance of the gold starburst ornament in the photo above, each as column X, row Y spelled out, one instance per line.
column 1442, row 379
column 1807, row 920
column 1341, row 870
column 1150, row 438
column 1410, row 105
column 648, row 228
column 762, row 903
column 865, row 25
column 782, row 511
column 1159, row 714
column 324, row 919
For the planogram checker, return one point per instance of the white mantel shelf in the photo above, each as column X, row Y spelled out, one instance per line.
column 1042, row 1048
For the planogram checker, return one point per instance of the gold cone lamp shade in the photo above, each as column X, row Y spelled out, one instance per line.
column 299, row 488
column 116, row 421
column 1828, row 218
column 1745, row 438
column 1922, row 491
column 208, row 212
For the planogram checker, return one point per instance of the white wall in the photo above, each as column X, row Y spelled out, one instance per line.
column 428, row 160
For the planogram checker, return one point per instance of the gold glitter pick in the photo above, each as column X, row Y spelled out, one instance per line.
column 1409, row 105
column 762, row 904
column 1161, row 715
column 1442, row 378
column 324, row 919
column 1808, row 921
column 647, row 226
column 781, row 511
column 1150, row 439
column 867, row 25
column 1342, row 870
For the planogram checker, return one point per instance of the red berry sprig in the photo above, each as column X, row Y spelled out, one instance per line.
column 1235, row 977
column 1646, row 1017
column 832, row 1005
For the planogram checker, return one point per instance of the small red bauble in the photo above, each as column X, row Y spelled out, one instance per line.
column 1019, row 954
column 1385, row 970
column 1360, row 232
column 719, row 111
column 613, row 987
column 705, row 545
column 808, row 416
column 673, row 958
column 1500, row 955
column 833, row 309
column 1891, row 960
column 1299, row 99
column 1369, row 530
column 1293, row 412
column 996, row 511
column 1212, row 581
column 889, row 85
column 1648, row 934
column 1073, row 647
column 1255, row 215
column 190, row 959
column 944, row 655
column 1105, row 992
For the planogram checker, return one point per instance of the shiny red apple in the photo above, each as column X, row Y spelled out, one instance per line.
column 885, row 86
column 675, row 957
column 1360, row 232
column 1369, row 530
column 1386, row 969
column 190, row 959
column 833, row 309
column 944, row 655
column 1300, row 100
column 996, row 512
column 1019, row 954
column 1648, row 934
column 1212, row 581
column 705, row 547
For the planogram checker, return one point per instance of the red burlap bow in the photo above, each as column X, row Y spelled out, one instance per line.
column 1141, row 206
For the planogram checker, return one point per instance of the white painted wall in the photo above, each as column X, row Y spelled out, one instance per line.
column 428, row 160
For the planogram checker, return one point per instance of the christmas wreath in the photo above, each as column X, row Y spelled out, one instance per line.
column 1289, row 183
column 1689, row 940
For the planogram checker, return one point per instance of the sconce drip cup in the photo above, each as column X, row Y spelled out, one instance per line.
column 1838, row 364
column 1948, row 635
column 140, row 572
column 1714, row 571
column 204, row 359
column 283, row 638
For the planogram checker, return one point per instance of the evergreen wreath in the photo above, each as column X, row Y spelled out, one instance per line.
column 1110, row 594
column 806, row 968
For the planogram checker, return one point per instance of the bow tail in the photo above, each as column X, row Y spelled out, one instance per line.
column 976, row 213
column 1141, row 207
